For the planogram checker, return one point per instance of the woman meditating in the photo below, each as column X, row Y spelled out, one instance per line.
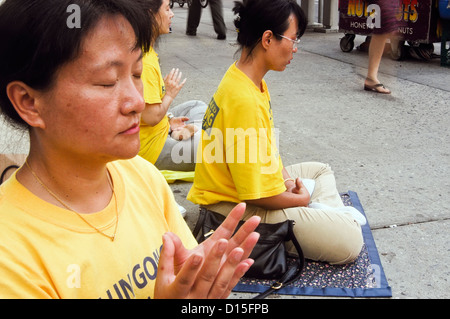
column 168, row 139
column 239, row 160
column 85, row 217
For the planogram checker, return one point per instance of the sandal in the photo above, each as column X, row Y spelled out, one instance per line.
column 375, row 88
column 3, row 176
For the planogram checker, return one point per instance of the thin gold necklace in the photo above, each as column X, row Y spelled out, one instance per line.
column 73, row 210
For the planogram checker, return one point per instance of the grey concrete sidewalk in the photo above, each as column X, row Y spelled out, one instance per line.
column 392, row 150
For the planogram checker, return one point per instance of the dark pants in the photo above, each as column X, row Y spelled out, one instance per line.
column 195, row 12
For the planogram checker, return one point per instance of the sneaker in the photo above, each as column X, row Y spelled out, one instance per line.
column 191, row 33
column 221, row 37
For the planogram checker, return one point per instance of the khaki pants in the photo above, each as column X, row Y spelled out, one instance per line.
column 324, row 234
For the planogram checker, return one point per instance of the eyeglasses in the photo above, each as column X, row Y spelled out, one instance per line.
column 294, row 42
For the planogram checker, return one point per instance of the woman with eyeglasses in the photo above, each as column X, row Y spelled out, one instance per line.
column 239, row 159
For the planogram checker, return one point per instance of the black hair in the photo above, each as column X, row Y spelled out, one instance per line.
column 254, row 17
column 37, row 39
column 153, row 6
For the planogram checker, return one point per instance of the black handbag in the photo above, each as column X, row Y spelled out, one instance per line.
column 269, row 254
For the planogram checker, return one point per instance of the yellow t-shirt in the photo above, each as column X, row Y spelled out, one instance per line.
column 153, row 137
column 49, row 252
column 237, row 158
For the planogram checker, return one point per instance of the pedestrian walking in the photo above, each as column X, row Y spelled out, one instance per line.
column 195, row 13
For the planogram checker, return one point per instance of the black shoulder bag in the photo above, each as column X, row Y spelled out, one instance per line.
column 269, row 254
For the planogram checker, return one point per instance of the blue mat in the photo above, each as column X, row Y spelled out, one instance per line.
column 363, row 278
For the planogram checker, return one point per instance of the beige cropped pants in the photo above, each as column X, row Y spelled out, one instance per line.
column 324, row 234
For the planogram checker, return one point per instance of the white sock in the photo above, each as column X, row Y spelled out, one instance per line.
column 182, row 210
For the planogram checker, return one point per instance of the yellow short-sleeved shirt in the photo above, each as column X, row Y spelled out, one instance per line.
column 153, row 137
column 238, row 158
column 49, row 252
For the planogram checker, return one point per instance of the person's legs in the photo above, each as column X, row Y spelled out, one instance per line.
column 328, row 233
column 325, row 195
column 194, row 110
column 325, row 190
column 194, row 15
column 376, row 49
column 180, row 155
column 217, row 17
column 324, row 235
column 329, row 230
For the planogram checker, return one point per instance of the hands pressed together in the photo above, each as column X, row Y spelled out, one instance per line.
column 213, row 268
